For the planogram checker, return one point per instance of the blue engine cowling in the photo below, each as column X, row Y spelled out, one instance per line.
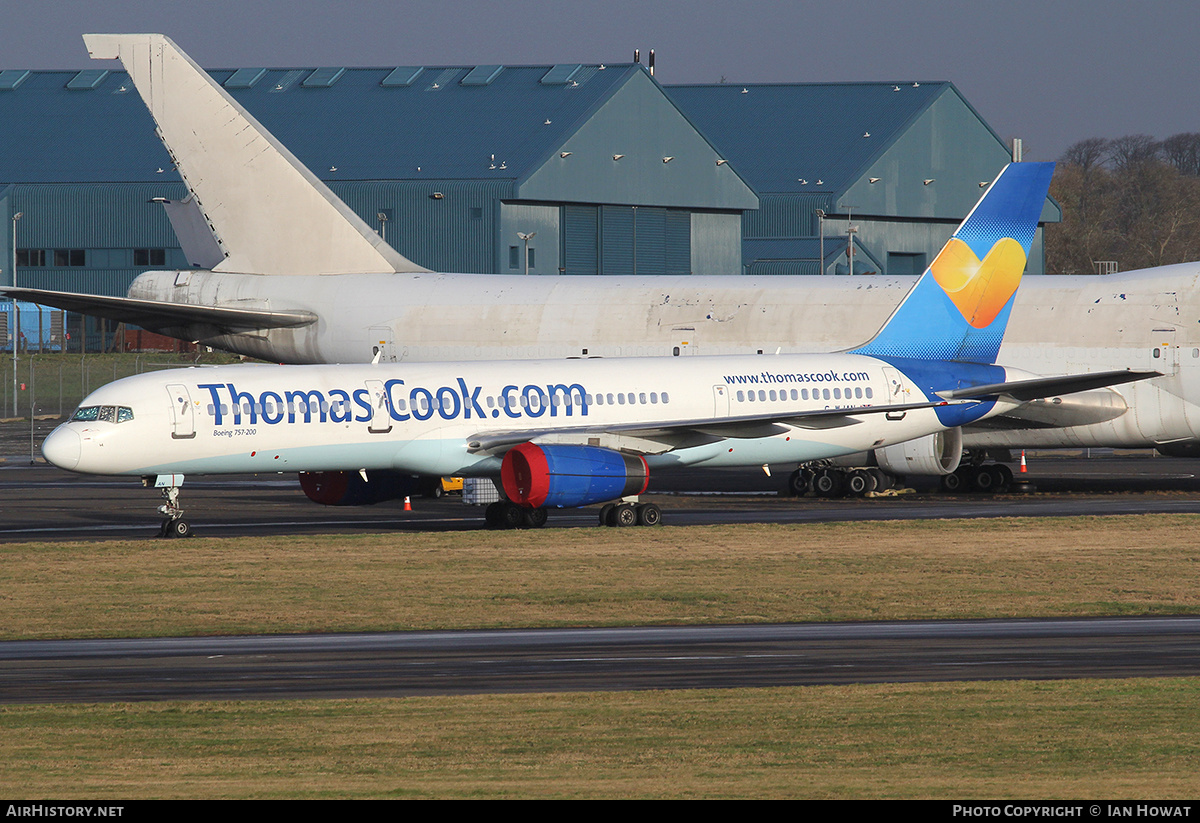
column 567, row 476
column 349, row 489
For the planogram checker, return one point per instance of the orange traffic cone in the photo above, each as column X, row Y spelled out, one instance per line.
column 1023, row 469
column 407, row 504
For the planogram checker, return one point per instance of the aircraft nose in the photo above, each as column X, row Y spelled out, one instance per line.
column 62, row 448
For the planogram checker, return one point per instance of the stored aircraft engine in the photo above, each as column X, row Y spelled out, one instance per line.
column 935, row 454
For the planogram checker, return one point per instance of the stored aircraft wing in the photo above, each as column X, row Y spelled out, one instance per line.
column 158, row 316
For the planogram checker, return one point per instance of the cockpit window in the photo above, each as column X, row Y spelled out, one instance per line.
column 104, row 414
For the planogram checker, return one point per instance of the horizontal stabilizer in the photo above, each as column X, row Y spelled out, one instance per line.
column 154, row 315
column 1038, row 387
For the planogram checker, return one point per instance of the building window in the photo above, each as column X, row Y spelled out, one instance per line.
column 69, row 257
column 149, row 257
column 31, row 257
column 514, row 257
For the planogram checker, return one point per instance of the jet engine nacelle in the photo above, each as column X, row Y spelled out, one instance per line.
column 349, row 488
column 568, row 476
column 935, row 454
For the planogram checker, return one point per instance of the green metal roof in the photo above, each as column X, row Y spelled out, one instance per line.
column 803, row 137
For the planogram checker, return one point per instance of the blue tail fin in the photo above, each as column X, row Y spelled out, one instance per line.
column 959, row 308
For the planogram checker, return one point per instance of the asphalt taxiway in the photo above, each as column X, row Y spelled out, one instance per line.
column 547, row 660
column 40, row 502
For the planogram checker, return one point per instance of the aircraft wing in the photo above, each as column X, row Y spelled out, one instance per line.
column 1039, row 387
column 672, row 432
column 154, row 315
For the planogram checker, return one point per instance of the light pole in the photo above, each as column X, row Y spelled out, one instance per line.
column 526, row 237
column 16, row 336
column 821, row 229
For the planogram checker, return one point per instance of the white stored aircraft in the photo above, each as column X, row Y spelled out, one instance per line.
column 270, row 287
column 566, row 433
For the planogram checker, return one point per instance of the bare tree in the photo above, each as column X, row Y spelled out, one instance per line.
column 1131, row 150
column 1087, row 154
column 1183, row 152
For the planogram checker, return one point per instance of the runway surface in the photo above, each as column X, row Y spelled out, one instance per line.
column 42, row 503
column 428, row 663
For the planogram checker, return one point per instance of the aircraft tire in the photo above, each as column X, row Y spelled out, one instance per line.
column 983, row 479
column 1004, row 477
column 511, row 516
column 952, row 482
column 800, row 482
column 649, row 515
column 179, row 528
column 534, row 518
column 606, row 514
column 829, row 483
column 859, row 483
column 883, row 480
column 624, row 515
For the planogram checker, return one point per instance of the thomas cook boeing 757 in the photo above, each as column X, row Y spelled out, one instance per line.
column 570, row 433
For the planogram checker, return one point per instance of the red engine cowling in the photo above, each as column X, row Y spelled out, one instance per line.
column 568, row 476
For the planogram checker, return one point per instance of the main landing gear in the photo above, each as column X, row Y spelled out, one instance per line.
column 508, row 515
column 982, row 478
column 833, row 481
column 630, row 514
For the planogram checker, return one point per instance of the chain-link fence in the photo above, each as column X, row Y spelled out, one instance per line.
column 51, row 385
column 46, row 388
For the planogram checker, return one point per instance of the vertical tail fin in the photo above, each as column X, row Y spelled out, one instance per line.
column 269, row 213
column 959, row 308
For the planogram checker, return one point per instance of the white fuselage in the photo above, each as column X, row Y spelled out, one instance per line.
column 439, row 419
column 1059, row 325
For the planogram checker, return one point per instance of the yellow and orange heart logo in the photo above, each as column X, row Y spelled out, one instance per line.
column 979, row 288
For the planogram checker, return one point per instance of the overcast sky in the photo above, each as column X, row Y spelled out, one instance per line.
column 1049, row 71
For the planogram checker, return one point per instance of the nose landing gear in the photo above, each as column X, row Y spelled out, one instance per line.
column 173, row 524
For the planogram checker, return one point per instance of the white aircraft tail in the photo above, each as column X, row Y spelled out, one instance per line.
column 268, row 213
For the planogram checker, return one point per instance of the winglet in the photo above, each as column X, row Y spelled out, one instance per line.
column 269, row 213
column 959, row 308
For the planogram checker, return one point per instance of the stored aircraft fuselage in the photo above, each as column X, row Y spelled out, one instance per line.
column 1059, row 325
